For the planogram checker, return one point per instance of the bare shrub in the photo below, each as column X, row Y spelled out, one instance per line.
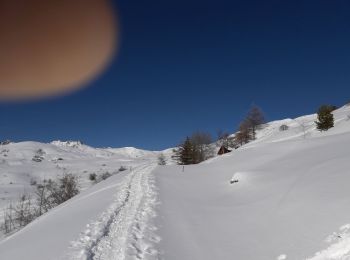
column 49, row 194
column 24, row 213
column 18, row 215
column 33, row 182
column 65, row 188
column 40, row 152
column 92, row 176
column 284, row 128
column 202, row 148
column 105, row 175
column 37, row 158
column 122, row 168
column 53, row 193
column 161, row 159
column 8, row 224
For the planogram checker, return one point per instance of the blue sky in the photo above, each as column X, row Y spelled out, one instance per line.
column 199, row 65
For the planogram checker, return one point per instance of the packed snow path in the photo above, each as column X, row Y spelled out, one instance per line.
column 123, row 231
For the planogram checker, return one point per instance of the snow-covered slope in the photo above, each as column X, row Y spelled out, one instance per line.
column 292, row 193
column 24, row 164
column 290, row 202
column 303, row 127
column 131, row 152
column 99, row 223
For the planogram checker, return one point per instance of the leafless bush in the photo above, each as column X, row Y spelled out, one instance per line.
column 161, row 159
column 98, row 178
column 202, row 148
column 24, row 213
column 49, row 194
column 122, row 168
column 40, row 152
column 92, row 176
column 65, row 188
column 33, row 182
column 284, row 128
column 105, row 175
column 8, row 224
column 18, row 215
column 5, row 142
column 39, row 155
column 53, row 193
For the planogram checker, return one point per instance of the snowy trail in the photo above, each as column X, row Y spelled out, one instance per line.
column 123, row 231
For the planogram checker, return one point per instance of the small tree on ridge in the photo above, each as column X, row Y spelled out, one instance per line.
column 325, row 119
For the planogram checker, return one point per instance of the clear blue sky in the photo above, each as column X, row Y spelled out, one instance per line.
column 186, row 65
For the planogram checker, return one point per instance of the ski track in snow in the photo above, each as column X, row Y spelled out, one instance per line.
column 123, row 231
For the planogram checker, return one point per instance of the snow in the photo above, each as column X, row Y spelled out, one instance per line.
column 96, row 224
column 18, row 171
column 107, row 238
column 130, row 152
column 282, row 257
column 340, row 249
column 292, row 193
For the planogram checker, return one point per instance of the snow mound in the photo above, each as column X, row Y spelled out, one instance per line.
column 282, row 257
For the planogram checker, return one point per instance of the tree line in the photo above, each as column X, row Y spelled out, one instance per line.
column 194, row 149
column 199, row 146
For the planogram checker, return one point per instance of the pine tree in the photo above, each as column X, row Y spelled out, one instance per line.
column 187, row 152
column 194, row 149
column 184, row 154
column 325, row 119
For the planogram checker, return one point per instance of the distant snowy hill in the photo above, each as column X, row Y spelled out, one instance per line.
column 290, row 200
column 131, row 152
column 25, row 163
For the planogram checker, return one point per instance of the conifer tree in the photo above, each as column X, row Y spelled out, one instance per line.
column 325, row 119
column 187, row 152
column 194, row 149
column 184, row 153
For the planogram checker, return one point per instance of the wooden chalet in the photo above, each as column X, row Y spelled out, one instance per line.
column 223, row 150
